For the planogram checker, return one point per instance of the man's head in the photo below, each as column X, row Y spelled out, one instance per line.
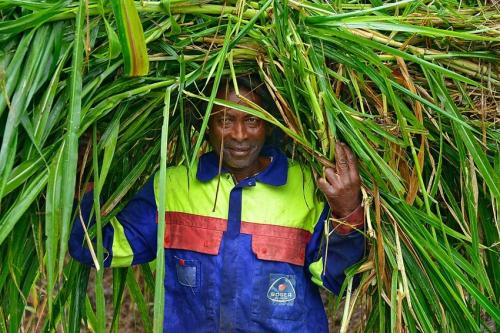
column 238, row 136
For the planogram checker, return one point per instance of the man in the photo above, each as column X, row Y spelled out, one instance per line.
column 245, row 247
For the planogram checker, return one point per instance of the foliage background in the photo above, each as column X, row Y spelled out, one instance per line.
column 411, row 86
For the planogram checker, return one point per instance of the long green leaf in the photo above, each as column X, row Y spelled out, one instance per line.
column 71, row 137
column 131, row 35
column 159, row 300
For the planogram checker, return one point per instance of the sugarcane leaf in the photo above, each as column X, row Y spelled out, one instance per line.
column 114, row 43
column 12, row 72
column 25, row 199
column 99, row 282
column 382, row 23
column 71, row 136
column 137, row 296
column 122, row 189
column 109, row 150
column 159, row 299
column 78, row 298
column 131, row 35
column 323, row 34
column 119, row 282
column 30, row 20
column 53, row 217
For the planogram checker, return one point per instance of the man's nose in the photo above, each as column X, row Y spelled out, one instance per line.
column 239, row 131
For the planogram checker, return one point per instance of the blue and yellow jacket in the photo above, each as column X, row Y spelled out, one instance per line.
column 243, row 257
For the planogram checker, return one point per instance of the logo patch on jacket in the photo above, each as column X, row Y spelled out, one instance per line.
column 281, row 289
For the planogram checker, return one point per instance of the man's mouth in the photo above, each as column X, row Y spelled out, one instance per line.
column 239, row 151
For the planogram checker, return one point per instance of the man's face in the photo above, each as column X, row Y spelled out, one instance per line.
column 236, row 135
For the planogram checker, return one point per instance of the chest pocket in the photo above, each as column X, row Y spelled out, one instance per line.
column 191, row 232
column 277, row 243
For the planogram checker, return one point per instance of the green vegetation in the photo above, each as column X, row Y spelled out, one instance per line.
column 411, row 86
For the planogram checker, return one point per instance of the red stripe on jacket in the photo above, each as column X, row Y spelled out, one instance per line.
column 204, row 233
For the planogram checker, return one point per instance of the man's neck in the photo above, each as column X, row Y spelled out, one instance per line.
column 262, row 163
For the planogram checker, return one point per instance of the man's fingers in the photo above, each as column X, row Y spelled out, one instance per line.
column 325, row 186
column 350, row 156
column 341, row 160
column 353, row 163
column 331, row 176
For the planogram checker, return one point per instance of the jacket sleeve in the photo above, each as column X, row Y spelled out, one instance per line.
column 328, row 256
column 129, row 238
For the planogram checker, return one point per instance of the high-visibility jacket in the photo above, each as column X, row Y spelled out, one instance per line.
column 243, row 257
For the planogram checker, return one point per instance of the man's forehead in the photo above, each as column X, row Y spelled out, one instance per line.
column 228, row 91
column 226, row 111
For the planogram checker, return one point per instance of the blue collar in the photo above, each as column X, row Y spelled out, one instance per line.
column 275, row 174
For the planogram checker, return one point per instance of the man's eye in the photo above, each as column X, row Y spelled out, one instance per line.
column 252, row 120
column 225, row 122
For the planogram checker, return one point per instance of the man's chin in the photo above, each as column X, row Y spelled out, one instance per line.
column 238, row 165
column 239, row 160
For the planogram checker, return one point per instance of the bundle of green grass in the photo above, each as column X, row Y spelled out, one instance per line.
column 411, row 86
